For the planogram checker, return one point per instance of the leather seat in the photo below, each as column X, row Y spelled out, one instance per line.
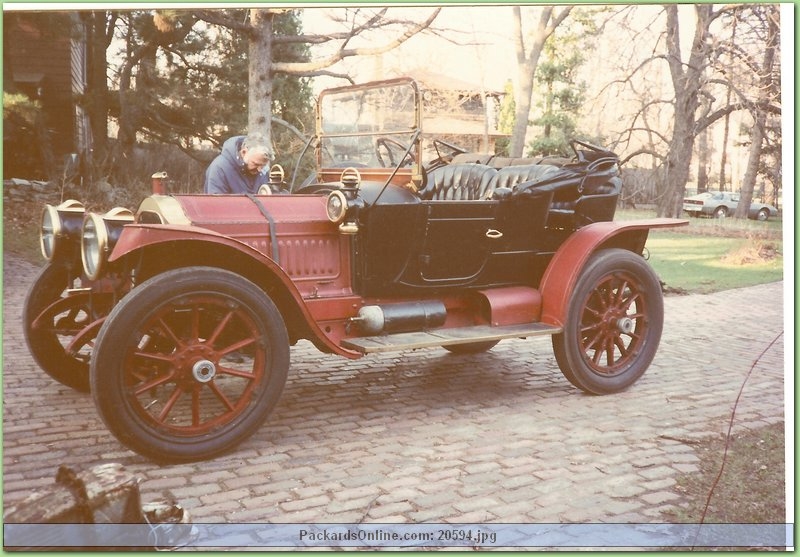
column 460, row 182
column 510, row 176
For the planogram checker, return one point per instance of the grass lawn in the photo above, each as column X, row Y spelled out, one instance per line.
column 702, row 264
column 755, row 459
column 711, row 255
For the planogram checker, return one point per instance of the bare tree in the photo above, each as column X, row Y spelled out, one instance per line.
column 527, row 61
column 261, row 38
column 696, row 80
column 767, row 91
column 687, row 79
column 727, row 127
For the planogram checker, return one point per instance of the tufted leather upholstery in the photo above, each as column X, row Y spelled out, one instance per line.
column 510, row 176
column 502, row 162
column 461, row 182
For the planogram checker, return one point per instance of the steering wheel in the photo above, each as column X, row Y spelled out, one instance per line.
column 581, row 155
column 445, row 152
column 385, row 142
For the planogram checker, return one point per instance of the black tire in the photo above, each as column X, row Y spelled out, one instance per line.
column 189, row 364
column 613, row 324
column 471, row 347
column 720, row 212
column 47, row 343
column 762, row 215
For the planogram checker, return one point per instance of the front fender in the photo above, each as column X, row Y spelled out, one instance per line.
column 137, row 238
column 567, row 264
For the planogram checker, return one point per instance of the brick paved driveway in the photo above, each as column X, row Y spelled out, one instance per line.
column 431, row 436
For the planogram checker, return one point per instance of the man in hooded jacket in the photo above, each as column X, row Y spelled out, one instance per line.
column 241, row 167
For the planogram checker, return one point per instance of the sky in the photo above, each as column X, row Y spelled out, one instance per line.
column 477, row 48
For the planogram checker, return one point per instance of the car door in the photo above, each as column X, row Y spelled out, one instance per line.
column 424, row 245
column 457, row 241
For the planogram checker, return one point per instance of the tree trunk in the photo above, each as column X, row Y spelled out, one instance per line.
column 760, row 116
column 96, row 102
column 754, row 156
column 526, row 64
column 259, row 114
column 676, row 171
column 702, row 161
column 723, row 160
column 687, row 78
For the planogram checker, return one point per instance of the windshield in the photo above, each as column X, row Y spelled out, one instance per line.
column 369, row 126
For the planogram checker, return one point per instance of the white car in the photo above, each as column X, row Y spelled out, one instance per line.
column 720, row 204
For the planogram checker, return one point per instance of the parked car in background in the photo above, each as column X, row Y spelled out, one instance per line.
column 720, row 204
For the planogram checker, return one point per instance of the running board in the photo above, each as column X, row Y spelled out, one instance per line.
column 446, row 337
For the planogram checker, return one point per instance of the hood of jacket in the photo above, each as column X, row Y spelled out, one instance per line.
column 228, row 172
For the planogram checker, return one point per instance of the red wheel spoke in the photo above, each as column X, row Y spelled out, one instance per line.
column 176, row 394
column 620, row 292
column 212, row 339
column 623, row 350
column 170, row 333
column 594, row 313
column 626, row 304
column 221, row 396
column 155, row 382
column 154, row 356
column 596, row 356
column 194, row 332
column 609, row 351
column 236, row 346
column 601, row 298
column 195, row 407
column 597, row 337
column 236, row 372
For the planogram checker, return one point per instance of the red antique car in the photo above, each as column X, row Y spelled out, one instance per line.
column 179, row 317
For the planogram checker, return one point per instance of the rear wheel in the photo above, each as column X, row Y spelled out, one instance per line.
column 721, row 212
column 613, row 325
column 189, row 364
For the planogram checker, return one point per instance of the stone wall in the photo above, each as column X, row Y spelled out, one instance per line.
column 17, row 189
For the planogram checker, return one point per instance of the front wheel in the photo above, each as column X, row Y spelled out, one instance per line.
column 58, row 320
column 613, row 324
column 189, row 364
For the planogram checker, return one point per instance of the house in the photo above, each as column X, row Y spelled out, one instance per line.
column 44, row 58
column 460, row 112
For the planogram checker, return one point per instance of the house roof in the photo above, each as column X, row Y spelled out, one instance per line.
column 439, row 81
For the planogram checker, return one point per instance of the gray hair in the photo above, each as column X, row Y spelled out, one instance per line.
column 257, row 143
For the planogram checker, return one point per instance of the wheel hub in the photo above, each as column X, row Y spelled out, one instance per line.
column 196, row 363
column 204, row 371
column 625, row 325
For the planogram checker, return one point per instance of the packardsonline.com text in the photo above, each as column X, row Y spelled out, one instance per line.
column 442, row 537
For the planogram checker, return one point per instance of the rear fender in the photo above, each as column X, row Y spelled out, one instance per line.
column 568, row 262
column 175, row 245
